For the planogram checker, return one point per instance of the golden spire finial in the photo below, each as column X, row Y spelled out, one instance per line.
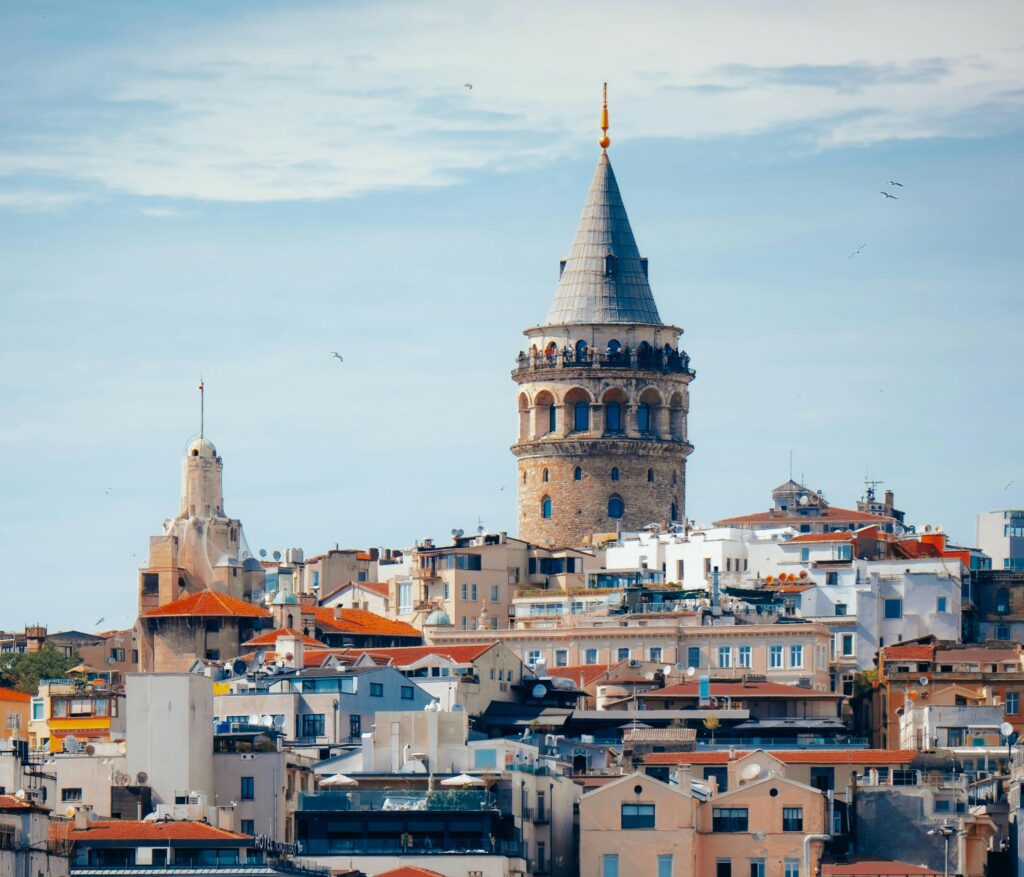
column 605, row 140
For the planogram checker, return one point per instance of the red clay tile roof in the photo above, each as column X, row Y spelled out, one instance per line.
column 9, row 802
column 858, row 866
column 134, row 830
column 830, row 514
column 912, row 549
column 846, row 536
column 977, row 656
column 405, row 655
column 912, row 652
column 380, row 588
column 740, row 689
column 791, row 756
column 407, row 871
column 359, row 621
column 209, row 604
column 11, row 694
column 270, row 637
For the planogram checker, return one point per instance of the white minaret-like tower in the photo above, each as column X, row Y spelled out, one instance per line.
column 202, row 492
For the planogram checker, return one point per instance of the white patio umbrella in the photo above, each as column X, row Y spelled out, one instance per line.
column 337, row 781
column 464, row 781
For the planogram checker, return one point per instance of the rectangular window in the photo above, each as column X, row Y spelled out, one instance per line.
column 376, row 689
column 472, row 592
column 117, row 655
column 693, row 656
column 791, row 868
column 71, row 794
column 37, row 709
column 532, row 657
column 248, row 827
column 940, row 604
column 744, row 657
column 610, row 865
column 725, row 656
column 408, row 692
column 775, row 657
column 721, row 777
column 637, row 816
column 494, row 593
column 894, row 608
column 840, row 608
column 823, row 778
column 248, row 790
column 1002, row 631
column 832, row 578
column 665, row 865
column 757, row 868
column 796, row 656
column 723, row 867
column 355, row 725
column 561, row 658
column 805, row 554
column 846, row 644
column 404, row 598
column 590, row 656
column 729, row 819
column 463, row 588
column 1012, row 703
column 792, row 818
column 622, row 654
column 844, row 552
column 655, row 653
column 312, row 725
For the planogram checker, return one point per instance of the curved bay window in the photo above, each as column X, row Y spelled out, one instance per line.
column 616, row 507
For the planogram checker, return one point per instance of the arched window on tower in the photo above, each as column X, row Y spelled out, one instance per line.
column 643, row 417
column 552, row 418
column 613, row 417
column 615, row 473
column 581, row 351
column 674, row 513
column 581, row 416
column 545, row 507
column 616, row 508
column 577, row 474
column 650, row 476
column 545, row 476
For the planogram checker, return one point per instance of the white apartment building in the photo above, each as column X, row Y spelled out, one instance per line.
column 1000, row 535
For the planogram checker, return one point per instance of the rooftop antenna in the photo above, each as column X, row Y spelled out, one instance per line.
column 790, row 464
column 871, row 484
column 202, row 405
column 605, row 140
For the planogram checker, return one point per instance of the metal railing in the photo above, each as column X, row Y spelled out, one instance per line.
column 653, row 359
column 439, row 800
column 415, row 845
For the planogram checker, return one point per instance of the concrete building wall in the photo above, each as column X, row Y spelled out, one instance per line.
column 170, row 732
column 1000, row 535
column 87, row 779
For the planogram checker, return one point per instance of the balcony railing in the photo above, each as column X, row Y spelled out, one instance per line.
column 439, row 800
column 653, row 359
column 416, row 845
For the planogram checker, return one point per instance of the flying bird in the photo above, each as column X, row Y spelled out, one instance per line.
column 468, row 85
column 104, row 618
column 1008, row 486
column 894, row 183
column 889, row 195
column 854, row 253
column 337, row 356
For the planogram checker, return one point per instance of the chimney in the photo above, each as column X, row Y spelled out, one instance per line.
column 684, row 773
column 888, row 502
column 82, row 812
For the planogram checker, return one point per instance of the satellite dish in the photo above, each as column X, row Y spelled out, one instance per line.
column 649, row 675
column 539, row 690
column 71, row 744
column 263, row 552
column 70, row 813
column 267, row 721
column 90, row 749
column 121, row 779
column 922, row 681
column 751, row 772
column 666, row 669
column 142, row 778
column 111, row 660
column 278, row 722
column 277, row 555
column 20, row 795
column 690, row 671
column 1006, row 729
column 254, row 719
column 238, row 667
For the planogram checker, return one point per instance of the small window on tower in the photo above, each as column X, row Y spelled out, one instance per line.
column 545, row 507
column 577, row 474
column 616, row 508
column 195, row 452
column 609, row 265
column 650, row 476
column 545, row 476
column 615, row 473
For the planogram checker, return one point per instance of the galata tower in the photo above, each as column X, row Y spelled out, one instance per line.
column 603, row 390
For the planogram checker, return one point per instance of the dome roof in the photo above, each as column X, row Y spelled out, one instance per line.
column 284, row 598
column 437, row 618
column 202, row 447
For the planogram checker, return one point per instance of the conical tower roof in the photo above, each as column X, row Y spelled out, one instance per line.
column 604, row 279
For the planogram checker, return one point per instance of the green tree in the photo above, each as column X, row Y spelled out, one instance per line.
column 24, row 671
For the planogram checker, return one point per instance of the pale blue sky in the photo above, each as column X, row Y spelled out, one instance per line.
column 242, row 190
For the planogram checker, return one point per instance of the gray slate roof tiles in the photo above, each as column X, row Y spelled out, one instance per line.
column 590, row 289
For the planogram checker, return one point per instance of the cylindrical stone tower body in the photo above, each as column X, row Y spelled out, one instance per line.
column 603, row 392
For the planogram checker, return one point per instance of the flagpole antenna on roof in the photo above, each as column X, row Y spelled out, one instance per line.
column 202, row 406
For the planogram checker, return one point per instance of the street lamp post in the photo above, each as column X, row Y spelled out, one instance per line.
column 946, row 831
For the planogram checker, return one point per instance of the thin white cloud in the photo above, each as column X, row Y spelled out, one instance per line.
column 161, row 212
column 325, row 103
column 28, row 201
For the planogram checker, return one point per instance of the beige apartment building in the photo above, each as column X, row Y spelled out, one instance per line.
column 471, row 583
column 639, row 825
column 788, row 654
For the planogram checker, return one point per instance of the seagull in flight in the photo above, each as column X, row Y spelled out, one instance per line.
column 98, row 623
column 894, row 183
column 1008, row 486
column 468, row 85
column 337, row 356
column 854, row 253
column 889, row 195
